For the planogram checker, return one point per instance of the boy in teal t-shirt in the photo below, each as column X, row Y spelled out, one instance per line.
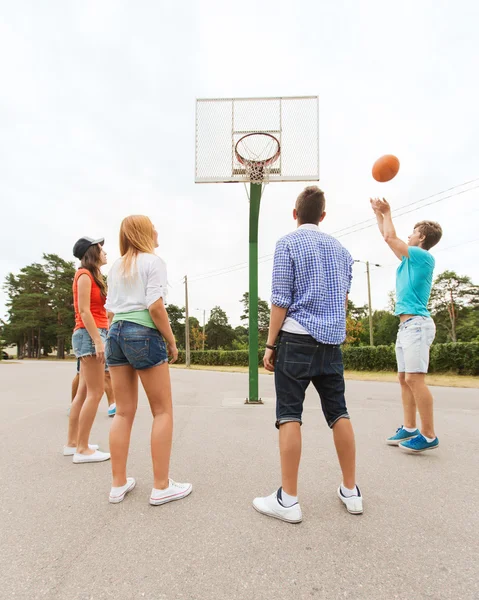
column 416, row 330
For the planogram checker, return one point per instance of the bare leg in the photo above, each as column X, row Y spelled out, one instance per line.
column 290, row 452
column 110, row 395
column 75, row 409
column 424, row 401
column 408, row 403
column 346, row 450
column 75, row 382
column 156, row 382
column 94, row 373
column 125, row 387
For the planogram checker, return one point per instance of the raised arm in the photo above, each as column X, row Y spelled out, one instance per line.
column 398, row 246
column 379, row 216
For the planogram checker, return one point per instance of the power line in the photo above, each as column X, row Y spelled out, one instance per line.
column 370, row 223
column 394, row 264
column 411, row 204
column 456, row 245
column 412, row 210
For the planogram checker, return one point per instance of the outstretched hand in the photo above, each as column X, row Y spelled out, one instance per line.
column 380, row 206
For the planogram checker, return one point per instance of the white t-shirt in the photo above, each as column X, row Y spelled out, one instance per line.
column 292, row 326
column 146, row 283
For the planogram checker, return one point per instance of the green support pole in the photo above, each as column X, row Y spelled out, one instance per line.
column 254, row 204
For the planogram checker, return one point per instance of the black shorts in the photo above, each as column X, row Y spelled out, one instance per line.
column 300, row 360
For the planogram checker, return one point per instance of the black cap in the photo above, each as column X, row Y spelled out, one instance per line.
column 83, row 244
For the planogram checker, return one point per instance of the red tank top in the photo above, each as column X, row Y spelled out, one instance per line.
column 97, row 302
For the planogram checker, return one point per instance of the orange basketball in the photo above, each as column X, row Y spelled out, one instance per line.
column 385, row 168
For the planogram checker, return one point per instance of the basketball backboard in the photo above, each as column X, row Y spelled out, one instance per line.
column 292, row 121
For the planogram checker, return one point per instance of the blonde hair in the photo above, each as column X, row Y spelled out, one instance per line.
column 136, row 235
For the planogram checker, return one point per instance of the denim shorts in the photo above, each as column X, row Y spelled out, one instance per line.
column 414, row 339
column 301, row 360
column 83, row 344
column 135, row 345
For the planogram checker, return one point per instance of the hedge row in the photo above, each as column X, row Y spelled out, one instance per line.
column 461, row 358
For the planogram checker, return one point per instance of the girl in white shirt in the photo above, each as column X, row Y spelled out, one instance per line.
column 139, row 342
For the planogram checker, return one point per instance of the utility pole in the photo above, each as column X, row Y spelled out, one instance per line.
column 370, row 309
column 187, row 326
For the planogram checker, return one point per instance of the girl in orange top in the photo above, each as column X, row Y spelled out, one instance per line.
column 89, row 336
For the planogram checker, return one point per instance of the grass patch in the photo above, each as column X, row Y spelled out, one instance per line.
column 435, row 379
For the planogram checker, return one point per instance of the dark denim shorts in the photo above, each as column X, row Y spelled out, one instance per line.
column 300, row 360
column 135, row 345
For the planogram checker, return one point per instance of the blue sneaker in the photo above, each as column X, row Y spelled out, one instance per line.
column 419, row 444
column 401, row 435
column 112, row 410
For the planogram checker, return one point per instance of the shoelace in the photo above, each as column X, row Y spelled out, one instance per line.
column 174, row 484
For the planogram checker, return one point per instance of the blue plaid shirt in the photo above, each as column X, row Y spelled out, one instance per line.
column 312, row 276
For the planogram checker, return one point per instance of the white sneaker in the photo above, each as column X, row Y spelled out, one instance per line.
column 174, row 491
column 97, row 456
column 71, row 450
column 354, row 504
column 270, row 506
column 117, row 494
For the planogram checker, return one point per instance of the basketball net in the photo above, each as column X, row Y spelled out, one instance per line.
column 257, row 152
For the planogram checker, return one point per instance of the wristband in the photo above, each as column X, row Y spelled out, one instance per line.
column 270, row 347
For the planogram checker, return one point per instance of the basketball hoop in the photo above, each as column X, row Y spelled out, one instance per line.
column 256, row 141
column 257, row 152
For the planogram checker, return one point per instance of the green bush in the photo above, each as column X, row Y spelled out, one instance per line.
column 369, row 358
column 230, row 358
column 461, row 358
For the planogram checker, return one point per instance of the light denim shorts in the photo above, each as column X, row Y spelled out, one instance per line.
column 414, row 340
column 83, row 344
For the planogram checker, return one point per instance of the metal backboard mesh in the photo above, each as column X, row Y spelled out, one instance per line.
column 220, row 123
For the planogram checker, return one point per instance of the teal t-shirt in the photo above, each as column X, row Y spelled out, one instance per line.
column 414, row 282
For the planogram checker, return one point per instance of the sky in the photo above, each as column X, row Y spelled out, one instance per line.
column 97, row 121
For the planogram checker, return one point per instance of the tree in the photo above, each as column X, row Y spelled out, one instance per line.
column 197, row 337
column 353, row 331
column 263, row 317
column 60, row 275
column 356, row 312
column 385, row 327
column 28, row 309
column 219, row 333
column 453, row 298
column 177, row 322
column 40, row 303
column 391, row 306
column 241, row 338
column 263, row 312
